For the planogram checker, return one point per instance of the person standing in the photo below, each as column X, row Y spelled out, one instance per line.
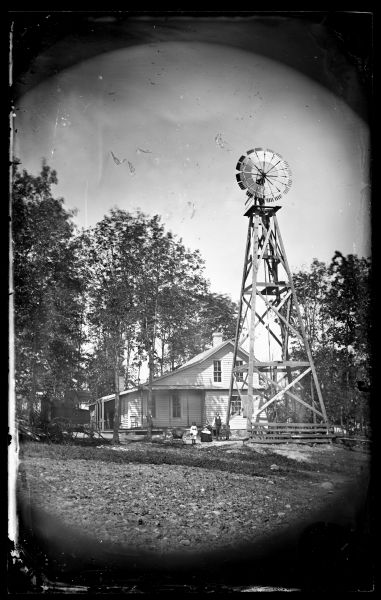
column 217, row 423
column 193, row 431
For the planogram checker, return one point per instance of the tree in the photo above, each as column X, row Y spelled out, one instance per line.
column 311, row 289
column 143, row 288
column 348, row 302
column 113, row 249
column 171, row 281
column 48, row 307
column 148, row 301
column 335, row 303
column 217, row 313
column 181, row 294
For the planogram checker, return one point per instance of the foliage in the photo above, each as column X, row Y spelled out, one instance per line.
column 112, row 250
column 47, row 283
column 173, row 277
column 311, row 288
column 148, row 300
column 57, row 431
column 129, row 292
column 92, row 307
column 216, row 313
column 335, row 303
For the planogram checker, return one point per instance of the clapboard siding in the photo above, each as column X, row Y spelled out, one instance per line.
column 200, row 396
column 191, row 408
column 216, row 402
column 238, row 422
column 195, row 405
column 124, row 420
column 135, row 412
column 202, row 374
column 163, row 409
column 130, row 411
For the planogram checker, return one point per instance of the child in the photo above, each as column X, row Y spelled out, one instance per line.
column 193, row 431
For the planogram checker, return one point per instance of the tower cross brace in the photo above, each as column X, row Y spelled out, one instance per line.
column 269, row 306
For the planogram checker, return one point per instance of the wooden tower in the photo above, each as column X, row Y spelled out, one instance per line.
column 270, row 386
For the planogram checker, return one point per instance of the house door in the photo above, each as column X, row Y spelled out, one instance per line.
column 109, row 415
column 235, row 406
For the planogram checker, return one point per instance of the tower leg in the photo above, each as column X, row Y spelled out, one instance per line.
column 301, row 324
column 240, row 316
column 268, row 303
column 254, row 267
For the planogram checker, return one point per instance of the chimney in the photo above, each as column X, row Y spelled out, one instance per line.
column 217, row 339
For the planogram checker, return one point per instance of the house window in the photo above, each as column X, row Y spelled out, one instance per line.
column 217, row 372
column 176, row 406
column 239, row 375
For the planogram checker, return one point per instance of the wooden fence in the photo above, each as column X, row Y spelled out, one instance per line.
column 302, row 433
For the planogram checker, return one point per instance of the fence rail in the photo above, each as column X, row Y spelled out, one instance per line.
column 292, row 432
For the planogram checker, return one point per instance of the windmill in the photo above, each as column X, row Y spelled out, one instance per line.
column 271, row 385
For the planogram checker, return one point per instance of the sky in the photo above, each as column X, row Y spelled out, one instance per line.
column 158, row 124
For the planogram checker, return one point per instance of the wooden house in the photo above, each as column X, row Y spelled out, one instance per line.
column 193, row 392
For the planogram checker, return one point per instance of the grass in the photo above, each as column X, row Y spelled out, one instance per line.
column 245, row 461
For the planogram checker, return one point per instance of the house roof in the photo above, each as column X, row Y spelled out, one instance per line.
column 199, row 358
column 204, row 355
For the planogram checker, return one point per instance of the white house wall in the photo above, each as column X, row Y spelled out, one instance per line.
column 201, row 399
column 191, row 408
column 196, row 405
column 124, row 420
column 216, row 402
column 202, row 374
column 130, row 410
column 135, row 412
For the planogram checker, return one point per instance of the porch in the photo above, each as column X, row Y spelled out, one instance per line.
column 171, row 408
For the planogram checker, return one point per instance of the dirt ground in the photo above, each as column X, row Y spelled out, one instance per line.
column 177, row 503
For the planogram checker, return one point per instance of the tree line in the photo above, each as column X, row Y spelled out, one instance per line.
column 93, row 305
column 336, row 303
